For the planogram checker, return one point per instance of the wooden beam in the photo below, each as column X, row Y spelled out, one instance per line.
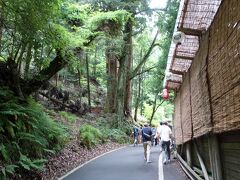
column 203, row 167
column 199, row 171
column 215, row 160
column 176, row 72
column 188, row 153
column 174, row 81
column 186, row 172
column 188, row 168
column 192, row 32
column 184, row 57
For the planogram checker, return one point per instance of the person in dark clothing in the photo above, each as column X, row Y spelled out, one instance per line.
column 146, row 139
column 154, row 139
column 135, row 135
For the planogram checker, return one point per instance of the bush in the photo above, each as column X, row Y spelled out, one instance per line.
column 27, row 134
column 113, row 130
column 68, row 116
column 89, row 136
column 115, row 135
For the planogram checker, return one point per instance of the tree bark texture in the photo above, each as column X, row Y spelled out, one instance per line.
column 122, row 75
column 129, row 59
column 112, row 79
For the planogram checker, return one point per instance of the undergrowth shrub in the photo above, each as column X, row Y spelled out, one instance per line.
column 115, row 135
column 68, row 116
column 89, row 136
column 114, row 130
column 27, row 134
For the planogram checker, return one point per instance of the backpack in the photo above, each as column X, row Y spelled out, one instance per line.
column 135, row 131
column 146, row 136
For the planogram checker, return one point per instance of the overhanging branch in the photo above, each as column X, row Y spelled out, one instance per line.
column 44, row 75
column 142, row 72
column 146, row 56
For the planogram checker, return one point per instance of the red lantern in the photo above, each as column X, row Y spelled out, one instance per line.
column 165, row 94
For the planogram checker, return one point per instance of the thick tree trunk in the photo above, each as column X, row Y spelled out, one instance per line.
column 10, row 77
column 122, row 75
column 111, row 67
column 121, row 91
column 129, row 59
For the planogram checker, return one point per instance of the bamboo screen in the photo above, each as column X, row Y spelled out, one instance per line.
column 186, row 109
column 185, row 50
column 214, row 78
column 177, row 121
column 201, row 114
column 224, row 67
column 194, row 18
column 198, row 14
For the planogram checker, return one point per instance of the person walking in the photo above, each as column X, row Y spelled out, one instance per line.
column 165, row 134
column 135, row 135
column 146, row 139
column 158, row 135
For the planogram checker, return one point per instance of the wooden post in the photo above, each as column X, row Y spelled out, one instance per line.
column 204, row 170
column 188, row 153
column 215, row 159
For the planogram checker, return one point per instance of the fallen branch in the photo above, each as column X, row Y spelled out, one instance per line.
column 55, row 100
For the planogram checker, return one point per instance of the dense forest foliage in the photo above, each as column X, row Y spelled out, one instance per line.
column 70, row 53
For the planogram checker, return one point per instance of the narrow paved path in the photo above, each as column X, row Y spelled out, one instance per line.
column 127, row 163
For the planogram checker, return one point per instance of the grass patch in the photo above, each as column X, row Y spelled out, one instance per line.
column 72, row 118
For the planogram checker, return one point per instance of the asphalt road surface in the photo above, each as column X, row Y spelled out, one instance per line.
column 127, row 164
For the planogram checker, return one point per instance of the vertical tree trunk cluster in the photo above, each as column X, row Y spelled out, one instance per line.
column 119, row 83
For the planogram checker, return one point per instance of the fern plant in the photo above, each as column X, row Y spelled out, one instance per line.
column 27, row 134
column 89, row 136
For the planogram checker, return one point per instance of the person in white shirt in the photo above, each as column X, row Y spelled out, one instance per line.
column 158, row 135
column 165, row 133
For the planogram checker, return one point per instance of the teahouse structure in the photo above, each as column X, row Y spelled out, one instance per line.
column 204, row 72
